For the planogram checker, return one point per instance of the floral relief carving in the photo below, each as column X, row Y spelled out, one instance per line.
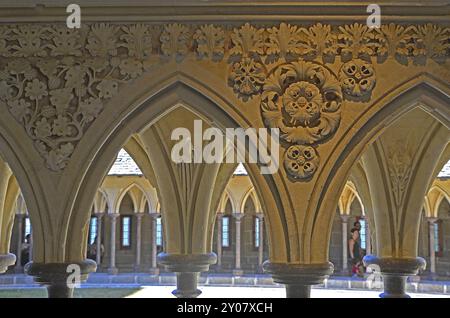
column 210, row 42
column 174, row 40
column 303, row 100
column 286, row 42
column 301, row 161
column 400, row 159
column 55, row 81
column 55, row 90
column 247, row 40
column 247, row 77
column 357, row 78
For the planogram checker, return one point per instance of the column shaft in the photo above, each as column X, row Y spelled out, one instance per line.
column 432, row 241
column 112, row 260
column 138, row 241
column 344, row 219
column 154, row 269
column 237, row 267
column 98, row 257
column 19, row 242
column 219, row 239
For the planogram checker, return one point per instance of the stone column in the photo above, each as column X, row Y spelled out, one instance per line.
column 237, row 266
column 260, row 217
column 112, row 260
column 219, row 240
column 98, row 257
column 56, row 277
column 395, row 272
column 298, row 278
column 154, row 270
column 20, row 218
column 137, row 265
column 344, row 219
column 432, row 242
column 368, row 238
column 187, row 267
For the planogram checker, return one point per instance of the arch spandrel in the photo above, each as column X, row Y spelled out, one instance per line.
column 342, row 105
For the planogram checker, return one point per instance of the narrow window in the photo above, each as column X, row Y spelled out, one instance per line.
column 126, row 232
column 158, row 232
column 92, row 230
column 226, row 231
column 256, row 232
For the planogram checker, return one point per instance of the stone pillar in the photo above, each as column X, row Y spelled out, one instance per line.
column 137, row 265
column 112, row 261
column 298, row 278
column 344, row 219
column 98, row 257
column 219, row 240
column 432, row 242
column 368, row 238
column 260, row 217
column 19, row 218
column 57, row 276
column 395, row 272
column 187, row 267
column 237, row 266
column 154, row 269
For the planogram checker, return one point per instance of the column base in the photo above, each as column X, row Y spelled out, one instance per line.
column 59, row 278
column 113, row 270
column 238, row 272
column 187, row 267
column 298, row 278
column 6, row 260
column 18, row 269
column 154, row 271
column 395, row 272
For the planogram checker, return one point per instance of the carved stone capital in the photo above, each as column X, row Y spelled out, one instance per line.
column 54, row 275
column 180, row 263
column 298, row 274
column 401, row 266
column 6, row 260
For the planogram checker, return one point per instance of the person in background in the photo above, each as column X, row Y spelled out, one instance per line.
column 354, row 249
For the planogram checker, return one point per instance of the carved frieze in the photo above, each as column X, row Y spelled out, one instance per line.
column 55, row 81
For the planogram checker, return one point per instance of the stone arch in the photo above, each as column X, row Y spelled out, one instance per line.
column 424, row 92
column 250, row 194
column 138, row 201
column 100, row 201
column 17, row 151
column 138, row 115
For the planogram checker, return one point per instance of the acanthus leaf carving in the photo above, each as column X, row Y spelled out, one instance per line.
column 56, row 81
column 210, row 42
column 175, row 40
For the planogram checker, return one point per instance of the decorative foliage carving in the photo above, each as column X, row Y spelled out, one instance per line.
column 356, row 41
column 210, row 42
column 400, row 161
column 174, row 40
column 55, row 90
column 55, row 81
column 247, row 77
column 286, row 42
column 357, row 78
column 301, row 161
column 303, row 100
column 247, row 40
